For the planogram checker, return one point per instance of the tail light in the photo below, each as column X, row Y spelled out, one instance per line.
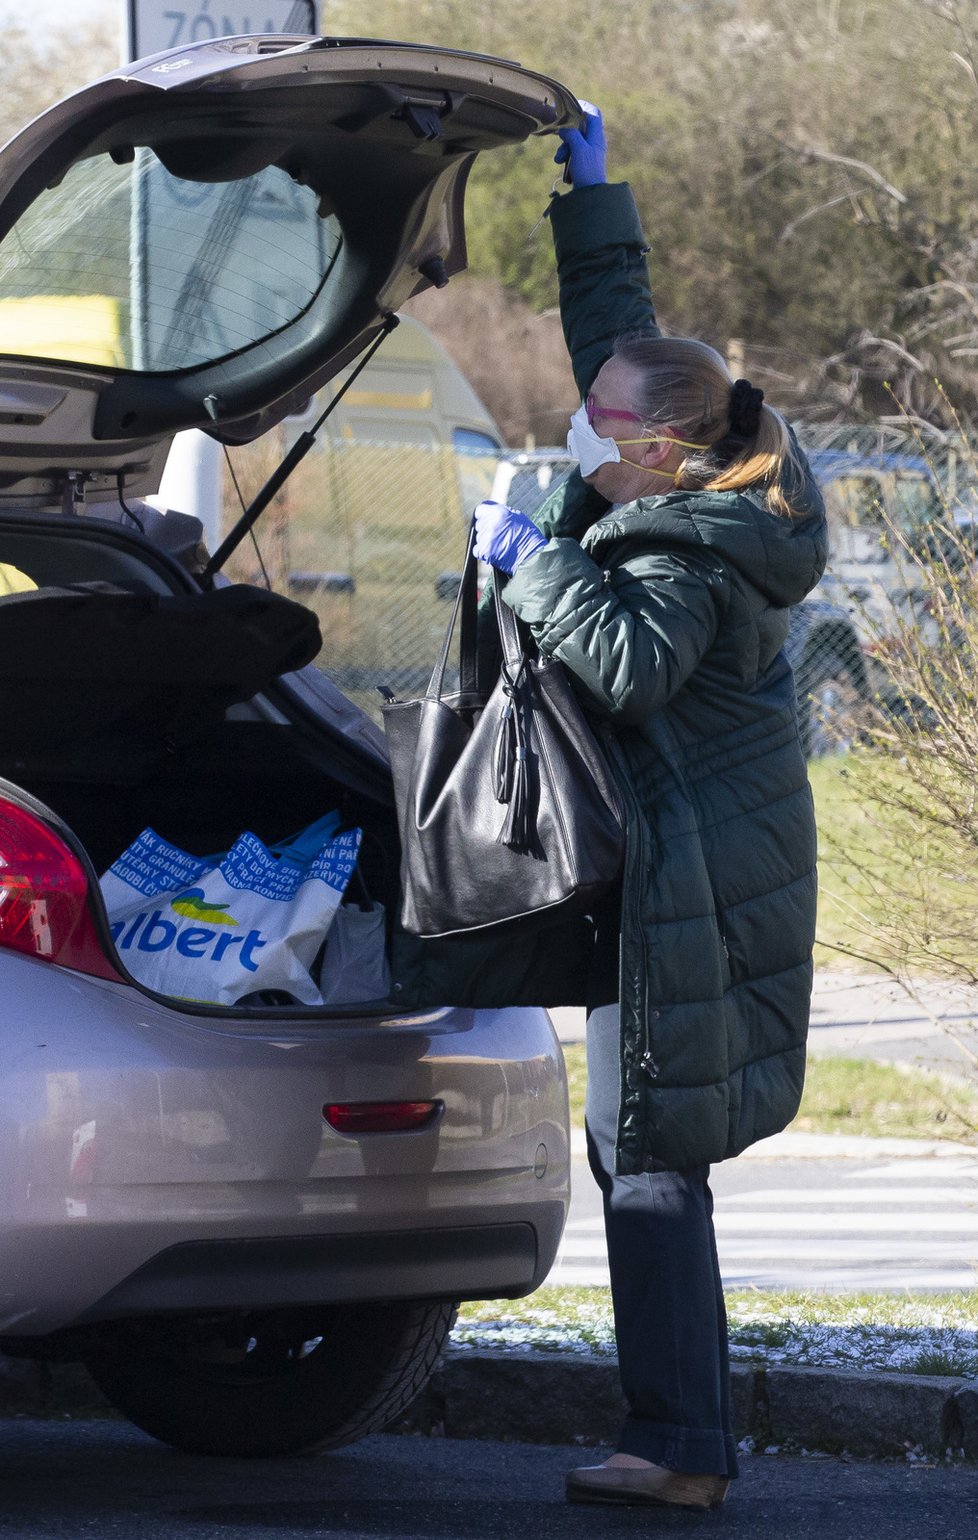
column 44, row 897
column 379, row 1117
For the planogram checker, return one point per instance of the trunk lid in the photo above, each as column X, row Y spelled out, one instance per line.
column 203, row 238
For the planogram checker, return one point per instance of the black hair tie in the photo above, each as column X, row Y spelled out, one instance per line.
column 745, row 408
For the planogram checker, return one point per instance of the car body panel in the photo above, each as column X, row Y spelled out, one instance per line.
column 128, row 1127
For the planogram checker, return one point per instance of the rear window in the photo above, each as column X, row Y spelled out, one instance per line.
column 906, row 498
column 131, row 267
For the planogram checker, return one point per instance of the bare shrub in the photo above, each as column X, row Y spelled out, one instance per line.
column 907, row 870
column 38, row 70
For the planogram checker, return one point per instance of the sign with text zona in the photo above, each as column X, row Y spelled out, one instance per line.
column 155, row 25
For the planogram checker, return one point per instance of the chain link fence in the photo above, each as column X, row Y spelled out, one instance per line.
column 371, row 536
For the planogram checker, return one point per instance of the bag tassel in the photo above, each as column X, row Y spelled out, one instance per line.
column 504, row 751
column 515, row 831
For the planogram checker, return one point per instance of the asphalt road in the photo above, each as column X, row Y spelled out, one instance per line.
column 105, row 1480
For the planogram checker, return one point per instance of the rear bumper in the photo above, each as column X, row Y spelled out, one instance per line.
column 458, row 1262
column 152, row 1163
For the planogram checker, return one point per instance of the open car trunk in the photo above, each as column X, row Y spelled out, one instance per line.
column 134, row 699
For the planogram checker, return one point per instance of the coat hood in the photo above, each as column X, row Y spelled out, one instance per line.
column 782, row 557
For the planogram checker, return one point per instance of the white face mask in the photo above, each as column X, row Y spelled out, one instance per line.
column 587, row 447
column 591, row 451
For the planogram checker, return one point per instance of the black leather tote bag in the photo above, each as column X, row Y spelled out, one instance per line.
column 507, row 808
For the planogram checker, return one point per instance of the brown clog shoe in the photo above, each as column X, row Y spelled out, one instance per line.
column 644, row 1484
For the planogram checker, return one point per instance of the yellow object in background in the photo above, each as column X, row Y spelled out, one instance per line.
column 80, row 328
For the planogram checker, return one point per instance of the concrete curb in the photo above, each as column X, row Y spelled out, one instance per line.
column 563, row 1398
column 554, row 1398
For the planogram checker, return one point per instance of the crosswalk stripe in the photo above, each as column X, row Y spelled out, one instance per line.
column 839, row 1222
column 874, row 1274
column 812, row 1197
column 904, row 1251
column 904, row 1222
column 871, row 1279
column 904, row 1170
column 769, row 1228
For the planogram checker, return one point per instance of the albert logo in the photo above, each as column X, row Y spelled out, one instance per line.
column 152, row 933
column 193, row 906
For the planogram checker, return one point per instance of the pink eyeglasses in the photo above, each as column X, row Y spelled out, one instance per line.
column 593, row 410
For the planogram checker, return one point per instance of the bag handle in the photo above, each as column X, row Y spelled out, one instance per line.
column 509, row 763
column 466, row 607
column 299, row 849
column 295, row 849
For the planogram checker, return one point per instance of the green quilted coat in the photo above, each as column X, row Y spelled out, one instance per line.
column 670, row 613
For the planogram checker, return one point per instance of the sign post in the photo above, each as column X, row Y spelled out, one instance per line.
column 192, row 478
column 155, row 25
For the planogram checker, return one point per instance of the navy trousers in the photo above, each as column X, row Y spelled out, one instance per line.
column 670, row 1319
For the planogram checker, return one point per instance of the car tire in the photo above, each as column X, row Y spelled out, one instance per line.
column 271, row 1383
column 829, row 708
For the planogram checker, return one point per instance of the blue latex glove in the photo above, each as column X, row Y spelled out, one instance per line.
column 584, row 153
column 504, row 537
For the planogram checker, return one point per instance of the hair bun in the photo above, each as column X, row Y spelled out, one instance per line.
column 745, row 408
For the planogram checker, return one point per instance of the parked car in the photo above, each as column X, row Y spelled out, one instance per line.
column 253, row 1222
column 839, row 639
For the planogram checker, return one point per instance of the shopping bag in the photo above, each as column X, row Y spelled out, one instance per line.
column 217, row 928
column 354, row 966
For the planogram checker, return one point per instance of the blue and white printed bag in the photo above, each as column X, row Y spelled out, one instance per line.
column 221, row 927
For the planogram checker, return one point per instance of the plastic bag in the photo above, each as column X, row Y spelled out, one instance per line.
column 355, row 966
column 218, row 928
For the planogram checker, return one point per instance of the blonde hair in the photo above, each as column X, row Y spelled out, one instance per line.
column 685, row 384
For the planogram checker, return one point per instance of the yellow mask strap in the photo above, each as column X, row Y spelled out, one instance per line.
column 650, row 470
column 661, row 438
column 657, row 438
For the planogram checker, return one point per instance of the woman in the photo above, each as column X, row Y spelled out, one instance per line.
column 661, row 574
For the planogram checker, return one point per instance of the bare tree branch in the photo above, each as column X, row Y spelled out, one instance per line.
column 809, row 153
column 789, row 229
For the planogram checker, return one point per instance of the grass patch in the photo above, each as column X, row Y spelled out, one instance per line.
column 861, row 1096
column 575, row 1062
column 907, row 1334
column 840, row 813
column 897, row 863
column 853, row 1096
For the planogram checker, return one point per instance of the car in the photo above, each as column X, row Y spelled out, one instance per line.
column 841, row 637
column 252, row 1221
column 822, row 645
column 823, row 648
